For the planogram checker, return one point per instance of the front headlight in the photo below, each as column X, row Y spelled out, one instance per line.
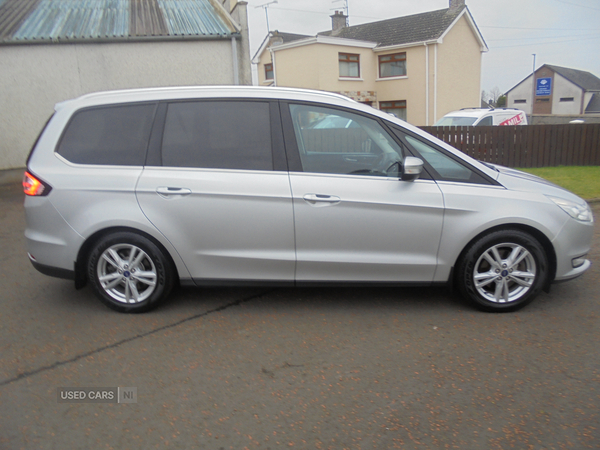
column 578, row 211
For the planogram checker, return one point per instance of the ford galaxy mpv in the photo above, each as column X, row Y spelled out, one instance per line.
column 137, row 191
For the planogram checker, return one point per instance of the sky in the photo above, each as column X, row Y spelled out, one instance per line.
column 559, row 32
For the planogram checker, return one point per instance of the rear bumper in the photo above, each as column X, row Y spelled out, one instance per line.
column 52, row 244
column 57, row 272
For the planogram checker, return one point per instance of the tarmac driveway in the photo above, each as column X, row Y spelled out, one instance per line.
column 305, row 368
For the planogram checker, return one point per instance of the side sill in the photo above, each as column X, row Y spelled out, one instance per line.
column 368, row 284
column 208, row 282
column 56, row 272
column 203, row 282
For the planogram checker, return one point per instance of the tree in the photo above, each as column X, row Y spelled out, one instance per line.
column 495, row 94
column 491, row 97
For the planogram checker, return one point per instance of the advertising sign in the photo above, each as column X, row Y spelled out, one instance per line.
column 516, row 120
column 543, row 86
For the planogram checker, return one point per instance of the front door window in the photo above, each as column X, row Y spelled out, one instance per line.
column 341, row 142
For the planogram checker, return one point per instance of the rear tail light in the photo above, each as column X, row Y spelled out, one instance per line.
column 34, row 186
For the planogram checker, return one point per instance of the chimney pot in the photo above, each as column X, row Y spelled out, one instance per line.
column 338, row 21
column 454, row 4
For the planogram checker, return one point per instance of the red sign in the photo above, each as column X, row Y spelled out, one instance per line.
column 513, row 120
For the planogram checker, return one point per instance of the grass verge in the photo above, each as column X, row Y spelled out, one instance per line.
column 581, row 180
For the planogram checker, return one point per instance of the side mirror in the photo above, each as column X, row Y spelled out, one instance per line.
column 411, row 169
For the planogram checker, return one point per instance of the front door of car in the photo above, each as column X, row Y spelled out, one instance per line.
column 216, row 186
column 355, row 220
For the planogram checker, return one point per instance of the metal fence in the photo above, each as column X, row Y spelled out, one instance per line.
column 528, row 145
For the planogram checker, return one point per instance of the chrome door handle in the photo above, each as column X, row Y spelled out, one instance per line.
column 167, row 192
column 314, row 199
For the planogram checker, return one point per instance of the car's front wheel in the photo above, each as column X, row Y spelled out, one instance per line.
column 503, row 271
column 129, row 273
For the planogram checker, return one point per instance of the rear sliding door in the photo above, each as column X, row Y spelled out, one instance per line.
column 216, row 186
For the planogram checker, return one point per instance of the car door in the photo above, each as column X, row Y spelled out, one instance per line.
column 355, row 220
column 216, row 186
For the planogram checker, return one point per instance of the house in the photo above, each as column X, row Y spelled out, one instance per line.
column 417, row 67
column 558, row 91
column 53, row 50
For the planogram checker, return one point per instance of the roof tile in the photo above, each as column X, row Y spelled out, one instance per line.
column 401, row 30
column 585, row 80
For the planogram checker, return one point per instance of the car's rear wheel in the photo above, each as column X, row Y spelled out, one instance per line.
column 503, row 271
column 129, row 273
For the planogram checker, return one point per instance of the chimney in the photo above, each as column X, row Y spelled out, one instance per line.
column 338, row 21
column 457, row 4
column 276, row 38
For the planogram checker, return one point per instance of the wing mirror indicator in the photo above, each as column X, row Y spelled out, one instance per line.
column 412, row 168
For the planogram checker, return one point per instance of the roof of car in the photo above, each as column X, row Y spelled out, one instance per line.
column 470, row 112
column 478, row 112
column 183, row 92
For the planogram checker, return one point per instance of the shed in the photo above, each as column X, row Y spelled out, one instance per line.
column 53, row 50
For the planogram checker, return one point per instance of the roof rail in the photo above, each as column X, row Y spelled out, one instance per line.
column 490, row 108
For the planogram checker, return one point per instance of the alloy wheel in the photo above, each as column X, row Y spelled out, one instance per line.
column 127, row 273
column 504, row 273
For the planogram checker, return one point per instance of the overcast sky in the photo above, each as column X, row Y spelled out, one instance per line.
column 560, row 32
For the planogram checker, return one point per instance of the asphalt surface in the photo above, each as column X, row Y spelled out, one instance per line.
column 376, row 368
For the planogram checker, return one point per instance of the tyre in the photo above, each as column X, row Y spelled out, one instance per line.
column 129, row 273
column 502, row 271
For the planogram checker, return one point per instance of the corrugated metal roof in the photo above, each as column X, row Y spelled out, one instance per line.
column 191, row 17
column 12, row 14
column 31, row 21
column 147, row 19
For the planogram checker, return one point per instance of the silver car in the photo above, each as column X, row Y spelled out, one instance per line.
column 137, row 191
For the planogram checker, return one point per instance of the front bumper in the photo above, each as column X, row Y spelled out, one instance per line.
column 571, row 245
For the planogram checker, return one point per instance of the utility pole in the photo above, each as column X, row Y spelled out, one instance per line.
column 532, row 89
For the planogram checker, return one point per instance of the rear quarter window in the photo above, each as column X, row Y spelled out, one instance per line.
column 113, row 135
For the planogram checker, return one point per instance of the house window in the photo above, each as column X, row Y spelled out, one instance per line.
column 392, row 65
column 349, row 65
column 521, row 101
column 567, row 99
column 397, row 108
column 269, row 71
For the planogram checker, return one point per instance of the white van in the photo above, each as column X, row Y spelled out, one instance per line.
column 483, row 117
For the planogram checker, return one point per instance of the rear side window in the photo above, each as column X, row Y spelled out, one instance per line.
column 113, row 135
column 218, row 135
column 486, row 121
column 38, row 139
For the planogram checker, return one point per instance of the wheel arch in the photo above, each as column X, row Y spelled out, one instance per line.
column 91, row 241
column 534, row 232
